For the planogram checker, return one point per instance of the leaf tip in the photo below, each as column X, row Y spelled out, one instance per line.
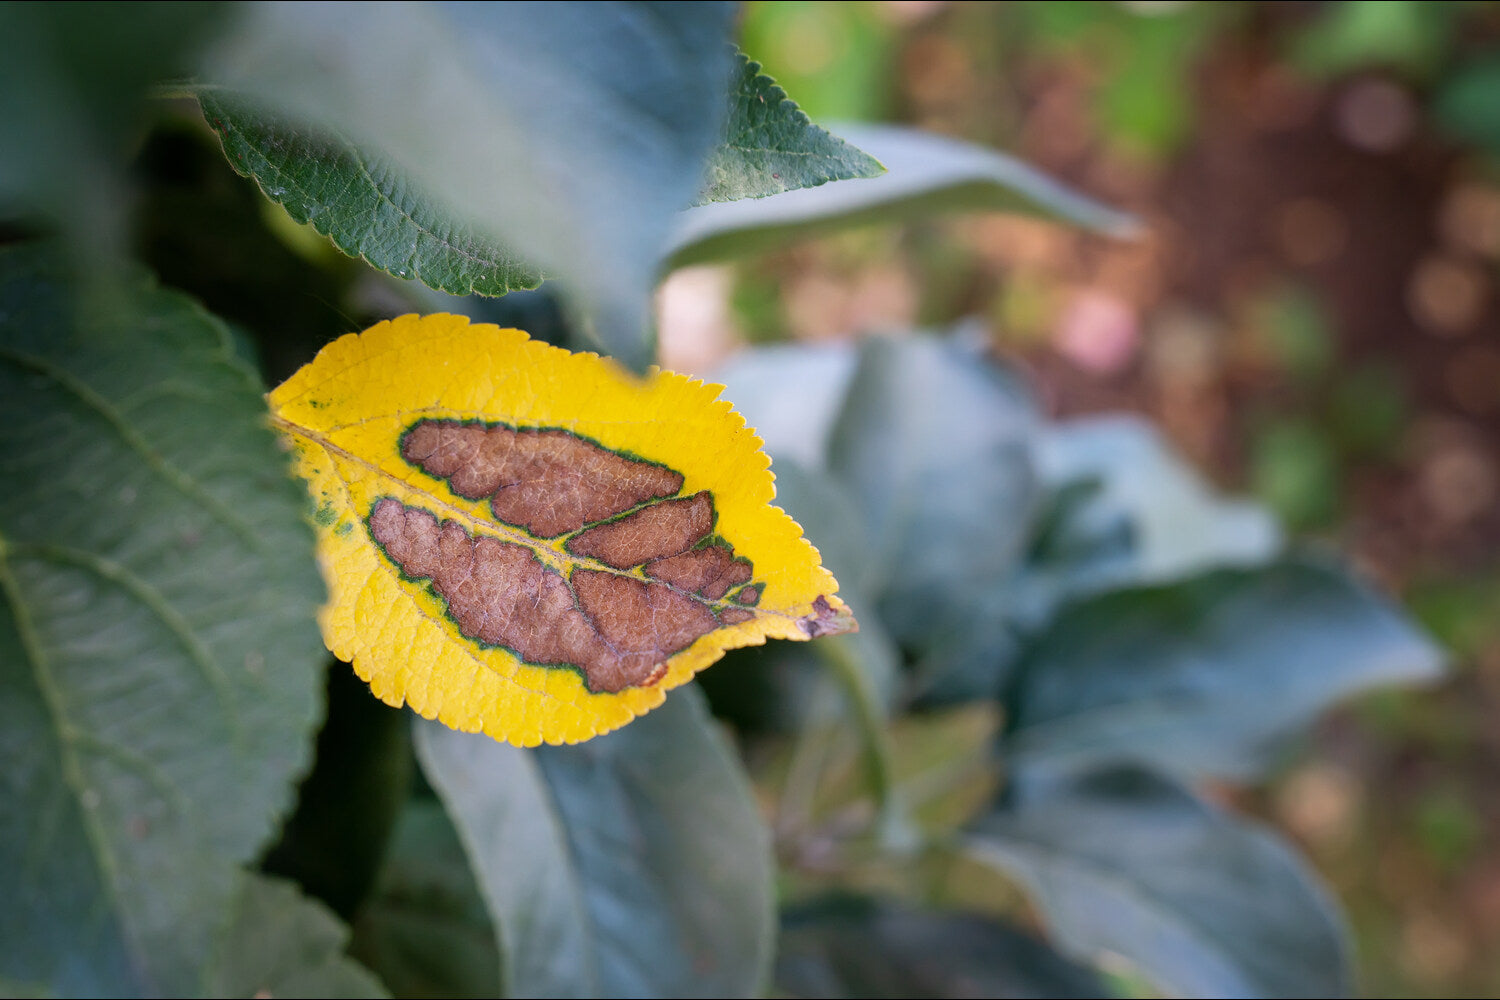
column 828, row 618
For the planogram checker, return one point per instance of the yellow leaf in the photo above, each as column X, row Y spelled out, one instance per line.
column 533, row 543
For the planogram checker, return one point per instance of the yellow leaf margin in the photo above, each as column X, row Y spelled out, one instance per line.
column 343, row 415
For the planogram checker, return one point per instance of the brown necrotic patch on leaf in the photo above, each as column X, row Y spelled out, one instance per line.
column 617, row 631
column 827, row 620
column 549, row 482
column 711, row 570
column 747, row 595
column 655, row 532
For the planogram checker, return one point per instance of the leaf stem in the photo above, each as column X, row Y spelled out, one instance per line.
column 892, row 827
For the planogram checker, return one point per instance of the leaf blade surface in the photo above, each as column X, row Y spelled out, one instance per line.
column 156, row 636
column 530, row 542
column 634, row 865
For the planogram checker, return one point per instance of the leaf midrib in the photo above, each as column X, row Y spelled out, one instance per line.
column 497, row 529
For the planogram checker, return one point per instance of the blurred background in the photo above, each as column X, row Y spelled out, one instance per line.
column 1310, row 316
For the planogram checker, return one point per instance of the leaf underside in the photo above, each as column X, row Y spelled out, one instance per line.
column 361, row 201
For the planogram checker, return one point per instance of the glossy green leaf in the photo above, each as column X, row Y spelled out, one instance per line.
column 571, row 132
column 771, row 146
column 160, row 670
column 424, row 930
column 1206, row 676
column 850, row 946
column 925, row 174
column 1127, row 864
column 365, row 204
column 282, row 944
column 634, row 864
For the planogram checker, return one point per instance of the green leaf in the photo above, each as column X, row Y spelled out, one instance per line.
column 73, row 82
column 425, row 930
column 1127, row 511
column 934, row 445
column 1464, row 105
column 925, row 174
column 634, row 864
column 282, row 944
column 791, row 394
column 1126, row 863
column 850, row 946
column 366, row 205
column 573, row 133
column 160, row 670
column 771, row 146
column 785, row 686
column 1206, row 676
column 360, row 780
column 1354, row 35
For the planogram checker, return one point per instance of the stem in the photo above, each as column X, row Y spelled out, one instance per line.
column 869, row 720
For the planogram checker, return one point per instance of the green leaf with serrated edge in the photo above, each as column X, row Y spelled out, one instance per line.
column 925, row 174
column 159, row 663
column 280, row 943
column 1206, row 676
column 572, row 132
column 635, row 864
column 853, row 946
column 361, row 201
column 1126, row 863
column 424, row 930
column 771, row 146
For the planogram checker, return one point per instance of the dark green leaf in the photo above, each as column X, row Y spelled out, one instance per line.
column 634, row 864
column 73, row 80
column 1465, row 103
column 1126, row 863
column 1129, row 512
column 785, row 685
column 572, row 132
column 282, row 944
column 925, row 174
column 791, row 395
column 1206, row 676
column 425, row 930
column 361, row 780
column 771, row 146
column 369, row 207
column 160, row 670
column 857, row 947
column 934, row 445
